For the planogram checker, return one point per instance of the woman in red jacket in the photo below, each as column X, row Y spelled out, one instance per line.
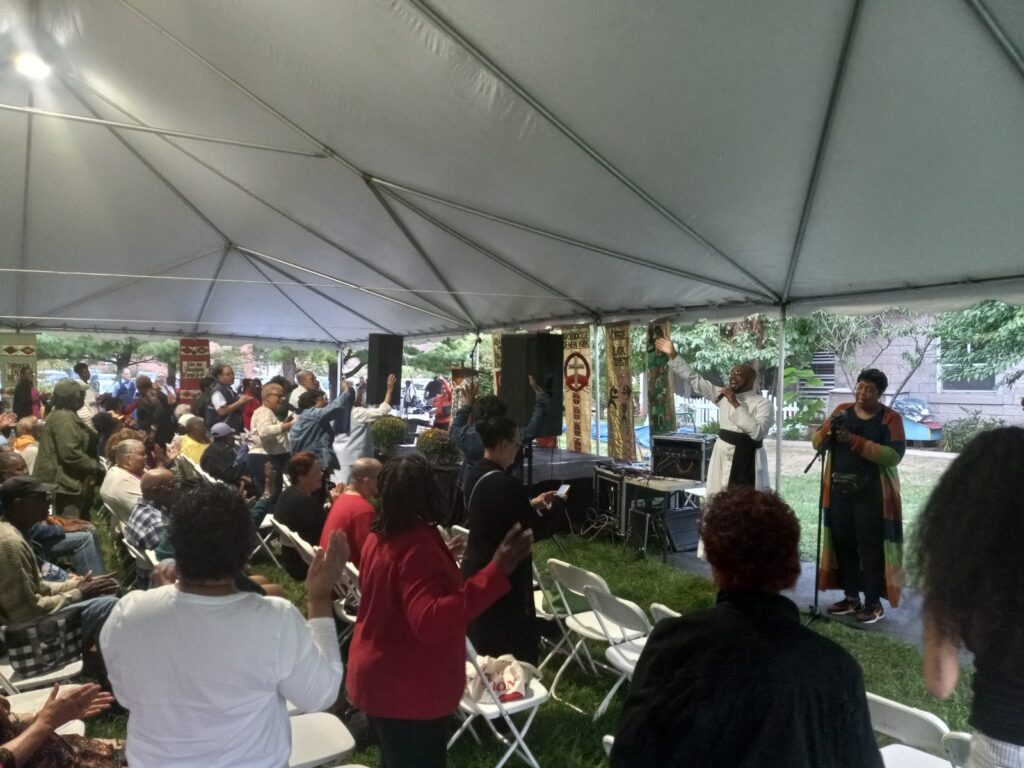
column 406, row 666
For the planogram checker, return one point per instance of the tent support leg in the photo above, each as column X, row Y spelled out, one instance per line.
column 780, row 398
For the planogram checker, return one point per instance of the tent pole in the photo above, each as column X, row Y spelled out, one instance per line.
column 596, row 377
column 157, row 131
column 780, row 398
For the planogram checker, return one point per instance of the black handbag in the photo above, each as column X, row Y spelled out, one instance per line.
column 40, row 646
column 848, row 483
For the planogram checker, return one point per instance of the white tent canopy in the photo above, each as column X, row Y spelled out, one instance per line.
column 316, row 171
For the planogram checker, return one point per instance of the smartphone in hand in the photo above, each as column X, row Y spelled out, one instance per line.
column 563, row 491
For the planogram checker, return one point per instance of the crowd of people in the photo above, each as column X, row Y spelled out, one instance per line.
column 208, row 658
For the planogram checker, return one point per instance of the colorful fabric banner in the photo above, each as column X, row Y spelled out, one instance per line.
column 661, row 409
column 194, row 355
column 576, row 369
column 496, row 338
column 16, row 351
column 621, row 437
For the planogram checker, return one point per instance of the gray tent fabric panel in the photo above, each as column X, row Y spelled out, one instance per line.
column 579, row 142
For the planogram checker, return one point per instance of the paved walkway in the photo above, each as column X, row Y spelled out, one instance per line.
column 903, row 623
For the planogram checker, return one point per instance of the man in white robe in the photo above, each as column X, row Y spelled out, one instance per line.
column 744, row 417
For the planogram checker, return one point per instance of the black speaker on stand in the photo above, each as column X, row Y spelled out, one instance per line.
column 538, row 355
column 385, row 358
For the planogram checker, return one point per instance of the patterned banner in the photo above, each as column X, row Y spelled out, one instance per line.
column 16, row 351
column 576, row 369
column 496, row 338
column 621, row 437
column 661, row 409
column 194, row 355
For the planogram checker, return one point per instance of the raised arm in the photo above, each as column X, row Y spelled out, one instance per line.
column 681, row 369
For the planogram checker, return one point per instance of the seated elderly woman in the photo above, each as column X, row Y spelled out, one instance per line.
column 204, row 669
column 744, row 683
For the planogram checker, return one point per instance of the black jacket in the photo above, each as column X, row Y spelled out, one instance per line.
column 501, row 501
column 744, row 685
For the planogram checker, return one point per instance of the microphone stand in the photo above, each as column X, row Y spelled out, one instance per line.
column 826, row 449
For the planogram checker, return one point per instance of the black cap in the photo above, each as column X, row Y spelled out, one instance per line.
column 20, row 486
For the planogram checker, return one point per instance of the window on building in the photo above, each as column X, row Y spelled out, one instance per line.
column 965, row 384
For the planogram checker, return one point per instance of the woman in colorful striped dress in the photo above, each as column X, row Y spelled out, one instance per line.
column 862, row 537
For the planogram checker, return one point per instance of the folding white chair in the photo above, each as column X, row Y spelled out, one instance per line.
column 608, row 742
column 346, row 608
column 11, row 682
column 203, row 474
column 444, row 533
column 545, row 608
column 957, row 745
column 920, row 734
column 318, row 738
column 457, row 529
column 28, row 704
column 143, row 562
column 659, row 612
column 265, row 533
column 292, row 539
column 490, row 707
column 620, row 620
column 573, row 579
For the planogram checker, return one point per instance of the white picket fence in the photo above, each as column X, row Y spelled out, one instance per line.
column 705, row 411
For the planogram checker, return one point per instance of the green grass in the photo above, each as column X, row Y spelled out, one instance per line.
column 801, row 493
column 561, row 736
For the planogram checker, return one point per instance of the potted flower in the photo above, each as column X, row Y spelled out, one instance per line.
column 438, row 448
column 387, row 434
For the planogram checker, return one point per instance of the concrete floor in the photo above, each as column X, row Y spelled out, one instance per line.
column 903, row 623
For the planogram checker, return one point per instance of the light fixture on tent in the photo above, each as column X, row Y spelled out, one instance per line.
column 34, row 33
column 32, row 66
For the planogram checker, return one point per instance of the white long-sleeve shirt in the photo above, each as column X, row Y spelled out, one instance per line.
column 753, row 417
column 206, row 678
column 268, row 436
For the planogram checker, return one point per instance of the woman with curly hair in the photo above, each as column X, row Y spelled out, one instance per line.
column 967, row 556
column 744, row 683
column 407, row 663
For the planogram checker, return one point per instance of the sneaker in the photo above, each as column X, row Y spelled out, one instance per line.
column 845, row 606
column 870, row 614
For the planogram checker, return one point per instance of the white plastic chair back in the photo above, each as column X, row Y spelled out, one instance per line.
column 659, row 612
column 457, row 529
column 910, row 726
column 607, row 742
column 444, row 534
column 957, row 745
column 620, row 619
column 574, row 579
column 297, row 542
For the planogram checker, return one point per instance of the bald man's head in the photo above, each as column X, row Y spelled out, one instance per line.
column 363, row 479
column 742, row 377
column 158, row 486
column 12, row 464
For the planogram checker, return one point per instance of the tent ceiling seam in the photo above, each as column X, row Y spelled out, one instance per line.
column 328, row 151
column 302, row 225
column 796, row 300
column 212, row 287
column 618, row 255
column 448, row 28
column 20, row 290
column 997, row 32
column 490, row 254
column 127, row 284
column 417, row 246
column 148, row 165
column 270, row 262
column 293, row 302
column 823, row 139
column 102, row 122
